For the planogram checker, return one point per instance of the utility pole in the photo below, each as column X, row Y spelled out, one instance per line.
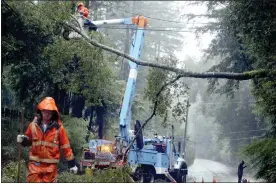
column 186, row 127
column 124, row 65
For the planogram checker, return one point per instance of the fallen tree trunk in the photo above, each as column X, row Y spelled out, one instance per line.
column 261, row 73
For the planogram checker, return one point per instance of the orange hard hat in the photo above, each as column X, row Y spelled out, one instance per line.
column 80, row 4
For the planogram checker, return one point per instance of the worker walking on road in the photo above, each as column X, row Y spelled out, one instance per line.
column 46, row 136
column 240, row 171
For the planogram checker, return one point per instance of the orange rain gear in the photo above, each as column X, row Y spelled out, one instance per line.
column 83, row 10
column 45, row 146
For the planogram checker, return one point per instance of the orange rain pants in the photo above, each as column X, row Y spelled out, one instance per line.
column 42, row 173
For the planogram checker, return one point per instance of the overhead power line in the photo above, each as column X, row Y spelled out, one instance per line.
column 148, row 29
column 133, row 13
column 150, row 17
column 243, row 131
column 243, row 138
column 188, row 139
column 212, row 103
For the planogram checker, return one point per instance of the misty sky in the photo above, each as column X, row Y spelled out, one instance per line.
column 192, row 46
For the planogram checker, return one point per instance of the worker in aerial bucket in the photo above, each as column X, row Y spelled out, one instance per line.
column 82, row 9
column 46, row 136
column 85, row 12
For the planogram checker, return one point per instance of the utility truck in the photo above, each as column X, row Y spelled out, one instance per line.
column 149, row 158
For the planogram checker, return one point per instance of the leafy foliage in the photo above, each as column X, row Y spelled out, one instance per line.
column 75, row 129
column 40, row 64
column 9, row 149
column 25, row 56
column 74, row 69
column 245, row 41
column 99, row 176
column 158, row 78
column 122, row 175
column 9, row 172
column 266, row 151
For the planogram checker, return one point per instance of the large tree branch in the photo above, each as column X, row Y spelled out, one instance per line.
column 181, row 72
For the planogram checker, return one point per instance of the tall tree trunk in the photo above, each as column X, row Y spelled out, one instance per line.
column 124, row 64
column 87, row 4
column 100, row 120
column 158, row 50
column 94, row 9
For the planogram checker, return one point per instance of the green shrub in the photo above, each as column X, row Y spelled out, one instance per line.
column 9, row 172
column 66, row 177
column 120, row 175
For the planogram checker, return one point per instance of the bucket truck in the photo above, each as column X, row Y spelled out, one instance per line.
column 149, row 158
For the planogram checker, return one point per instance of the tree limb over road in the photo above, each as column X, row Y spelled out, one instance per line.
column 180, row 72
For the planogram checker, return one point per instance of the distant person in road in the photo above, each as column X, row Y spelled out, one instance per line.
column 240, row 171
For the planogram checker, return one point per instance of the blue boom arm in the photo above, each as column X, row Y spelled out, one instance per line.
column 135, row 52
column 125, row 116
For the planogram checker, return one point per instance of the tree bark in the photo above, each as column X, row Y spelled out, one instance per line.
column 87, row 4
column 125, row 66
column 261, row 73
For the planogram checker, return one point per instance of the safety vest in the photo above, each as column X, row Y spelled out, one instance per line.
column 46, row 145
column 84, row 11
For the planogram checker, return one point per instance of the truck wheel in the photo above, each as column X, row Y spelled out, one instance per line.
column 150, row 176
column 182, row 174
column 139, row 176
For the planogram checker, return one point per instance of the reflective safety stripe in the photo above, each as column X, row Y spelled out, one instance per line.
column 70, row 158
column 56, row 136
column 33, row 130
column 44, row 143
column 65, row 146
column 45, row 160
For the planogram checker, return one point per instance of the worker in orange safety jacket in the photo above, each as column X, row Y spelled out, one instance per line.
column 82, row 9
column 46, row 136
column 85, row 12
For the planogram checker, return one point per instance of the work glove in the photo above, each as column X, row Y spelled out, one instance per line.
column 74, row 169
column 20, row 138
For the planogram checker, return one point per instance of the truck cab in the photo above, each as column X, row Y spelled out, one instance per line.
column 156, row 159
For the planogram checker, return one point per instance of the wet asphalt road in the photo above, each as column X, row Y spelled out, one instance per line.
column 209, row 170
